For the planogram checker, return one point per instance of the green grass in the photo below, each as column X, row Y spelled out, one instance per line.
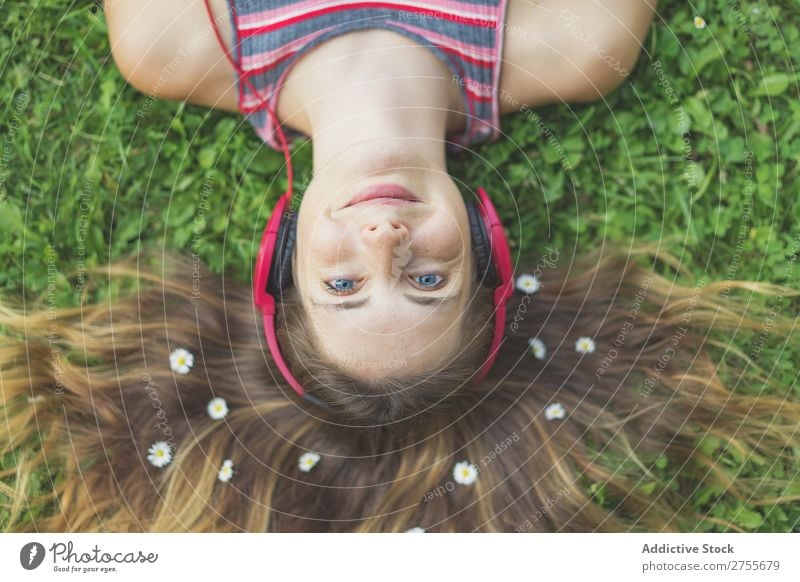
column 91, row 169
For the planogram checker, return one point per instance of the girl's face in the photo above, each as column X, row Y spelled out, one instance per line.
column 385, row 280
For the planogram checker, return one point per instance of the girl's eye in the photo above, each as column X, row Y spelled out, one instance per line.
column 340, row 286
column 429, row 281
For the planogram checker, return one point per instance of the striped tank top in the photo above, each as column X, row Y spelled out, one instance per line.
column 467, row 35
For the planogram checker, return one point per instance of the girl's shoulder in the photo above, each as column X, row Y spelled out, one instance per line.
column 572, row 50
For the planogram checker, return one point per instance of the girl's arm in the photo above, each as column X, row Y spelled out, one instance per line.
column 570, row 50
column 168, row 50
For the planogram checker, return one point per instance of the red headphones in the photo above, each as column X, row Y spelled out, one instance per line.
column 273, row 268
column 273, row 271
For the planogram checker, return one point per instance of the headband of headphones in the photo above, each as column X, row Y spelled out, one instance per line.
column 273, row 272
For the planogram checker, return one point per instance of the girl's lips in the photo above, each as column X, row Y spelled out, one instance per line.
column 383, row 194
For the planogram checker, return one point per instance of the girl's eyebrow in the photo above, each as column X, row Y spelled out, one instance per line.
column 356, row 303
column 351, row 304
column 421, row 300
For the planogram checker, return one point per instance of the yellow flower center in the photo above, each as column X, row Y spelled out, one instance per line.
column 181, row 360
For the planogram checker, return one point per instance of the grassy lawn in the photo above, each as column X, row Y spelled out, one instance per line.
column 699, row 151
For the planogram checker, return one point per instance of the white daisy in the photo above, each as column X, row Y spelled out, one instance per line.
column 160, row 454
column 538, row 348
column 699, row 22
column 554, row 412
column 217, row 408
column 528, row 283
column 308, row 461
column 181, row 361
column 226, row 471
column 416, row 529
column 465, row 473
column 585, row 345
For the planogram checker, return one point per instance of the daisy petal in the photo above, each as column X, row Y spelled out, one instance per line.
column 226, row 471
column 528, row 283
column 160, row 454
column 181, row 361
column 585, row 345
column 465, row 473
column 308, row 461
column 538, row 348
column 217, row 408
column 555, row 411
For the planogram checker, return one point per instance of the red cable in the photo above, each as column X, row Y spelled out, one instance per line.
column 261, row 99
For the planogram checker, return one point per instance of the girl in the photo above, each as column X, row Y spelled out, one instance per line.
column 382, row 232
column 602, row 412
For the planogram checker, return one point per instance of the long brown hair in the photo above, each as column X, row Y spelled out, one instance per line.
column 86, row 391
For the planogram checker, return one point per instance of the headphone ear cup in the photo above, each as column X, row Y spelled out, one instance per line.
column 281, row 274
column 481, row 245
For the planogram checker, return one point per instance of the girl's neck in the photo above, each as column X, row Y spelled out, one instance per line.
column 374, row 90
